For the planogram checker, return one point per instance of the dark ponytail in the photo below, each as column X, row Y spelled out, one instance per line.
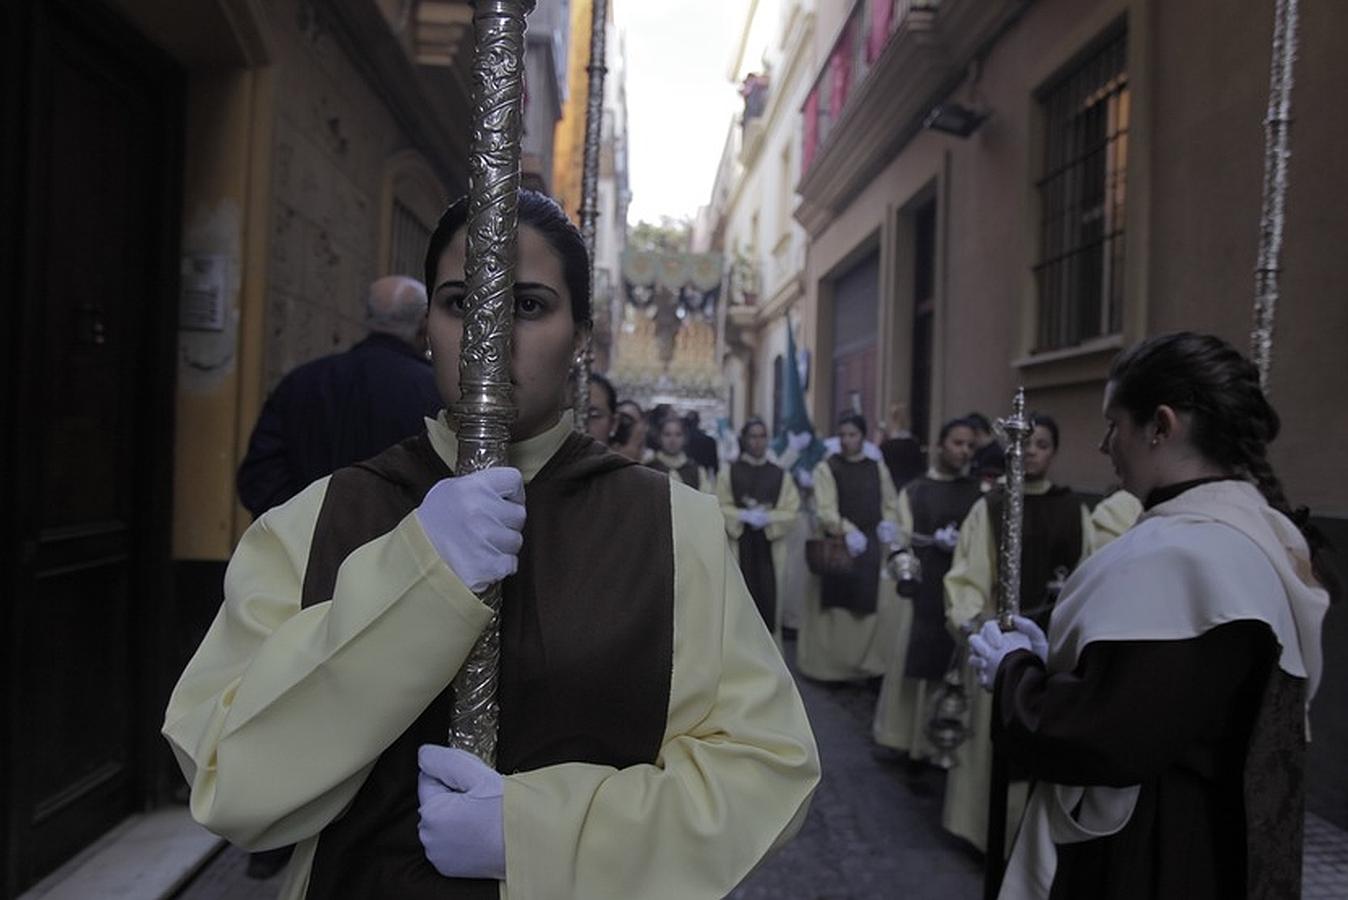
column 1232, row 423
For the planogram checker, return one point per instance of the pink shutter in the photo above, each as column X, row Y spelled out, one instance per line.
column 842, row 72
column 881, row 12
column 810, row 132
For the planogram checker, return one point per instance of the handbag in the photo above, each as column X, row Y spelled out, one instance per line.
column 828, row 556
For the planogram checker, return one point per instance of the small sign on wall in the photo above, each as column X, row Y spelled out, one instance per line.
column 201, row 306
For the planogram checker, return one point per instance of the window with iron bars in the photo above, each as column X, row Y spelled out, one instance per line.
column 410, row 238
column 1082, row 196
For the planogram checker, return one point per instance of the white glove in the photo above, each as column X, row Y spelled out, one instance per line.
column 799, row 440
column 1038, row 640
column 990, row 646
column 804, row 478
column 887, row 532
column 947, row 538
column 856, row 543
column 475, row 524
column 754, row 518
column 462, row 828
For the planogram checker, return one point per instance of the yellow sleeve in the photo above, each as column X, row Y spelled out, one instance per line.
column 826, row 502
column 733, row 526
column 782, row 517
column 889, row 498
column 260, row 720
column 968, row 584
column 905, row 518
column 734, row 775
column 1112, row 517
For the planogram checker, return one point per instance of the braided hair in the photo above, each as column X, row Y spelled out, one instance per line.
column 1232, row 423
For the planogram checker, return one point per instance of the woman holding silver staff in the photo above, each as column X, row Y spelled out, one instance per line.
column 931, row 508
column 627, row 764
column 761, row 505
column 1056, row 538
column 849, row 625
column 1173, row 688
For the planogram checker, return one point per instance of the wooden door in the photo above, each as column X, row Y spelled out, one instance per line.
column 93, row 118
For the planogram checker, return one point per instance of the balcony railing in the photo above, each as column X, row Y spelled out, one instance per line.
column 869, row 27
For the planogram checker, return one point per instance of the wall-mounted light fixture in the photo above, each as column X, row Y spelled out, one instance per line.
column 954, row 118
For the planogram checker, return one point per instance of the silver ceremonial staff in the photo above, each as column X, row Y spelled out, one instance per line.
column 486, row 406
column 1016, row 429
column 1273, row 213
column 589, row 190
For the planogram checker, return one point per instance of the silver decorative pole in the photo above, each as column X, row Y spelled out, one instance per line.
column 1272, row 216
column 589, row 190
column 1016, row 429
column 486, row 406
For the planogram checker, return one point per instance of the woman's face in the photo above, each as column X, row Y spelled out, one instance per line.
column 600, row 421
column 756, row 441
column 851, row 439
column 956, row 450
column 1039, row 452
column 1128, row 447
column 543, row 342
column 671, row 437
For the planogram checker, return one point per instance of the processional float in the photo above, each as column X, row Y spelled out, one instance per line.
column 589, row 188
column 486, row 406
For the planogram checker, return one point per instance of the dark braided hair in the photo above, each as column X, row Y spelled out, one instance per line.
column 1232, row 423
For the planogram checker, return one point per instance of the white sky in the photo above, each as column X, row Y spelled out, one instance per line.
column 679, row 99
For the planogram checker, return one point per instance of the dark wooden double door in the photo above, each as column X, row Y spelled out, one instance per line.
column 89, row 165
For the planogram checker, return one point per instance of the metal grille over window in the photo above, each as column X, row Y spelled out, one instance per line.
column 409, row 242
column 1082, row 197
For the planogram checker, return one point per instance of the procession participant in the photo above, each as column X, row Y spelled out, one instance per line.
column 1057, row 535
column 989, row 460
column 761, row 505
column 629, row 435
column 901, row 449
column 631, row 763
column 671, row 459
column 931, row 509
column 1113, row 516
column 601, row 416
column 1173, row 688
column 849, row 624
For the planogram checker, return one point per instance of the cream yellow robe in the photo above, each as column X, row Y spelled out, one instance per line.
column 781, row 519
column 902, row 708
column 968, row 596
column 706, row 482
column 838, row 644
column 1113, row 516
column 282, row 711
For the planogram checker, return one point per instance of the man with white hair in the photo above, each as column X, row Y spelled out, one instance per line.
column 343, row 408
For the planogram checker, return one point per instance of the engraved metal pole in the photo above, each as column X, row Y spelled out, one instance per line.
column 589, row 189
column 1274, row 209
column 1016, row 429
column 486, row 405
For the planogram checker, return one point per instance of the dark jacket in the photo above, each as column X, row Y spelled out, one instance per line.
column 333, row 412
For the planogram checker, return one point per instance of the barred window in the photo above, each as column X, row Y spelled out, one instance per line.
column 407, row 249
column 1082, row 199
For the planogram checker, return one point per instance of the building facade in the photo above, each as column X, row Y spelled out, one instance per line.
column 1092, row 175
column 750, row 217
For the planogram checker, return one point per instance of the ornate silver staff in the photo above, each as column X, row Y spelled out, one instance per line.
column 1015, row 429
column 1273, row 213
column 589, row 190
column 486, row 404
